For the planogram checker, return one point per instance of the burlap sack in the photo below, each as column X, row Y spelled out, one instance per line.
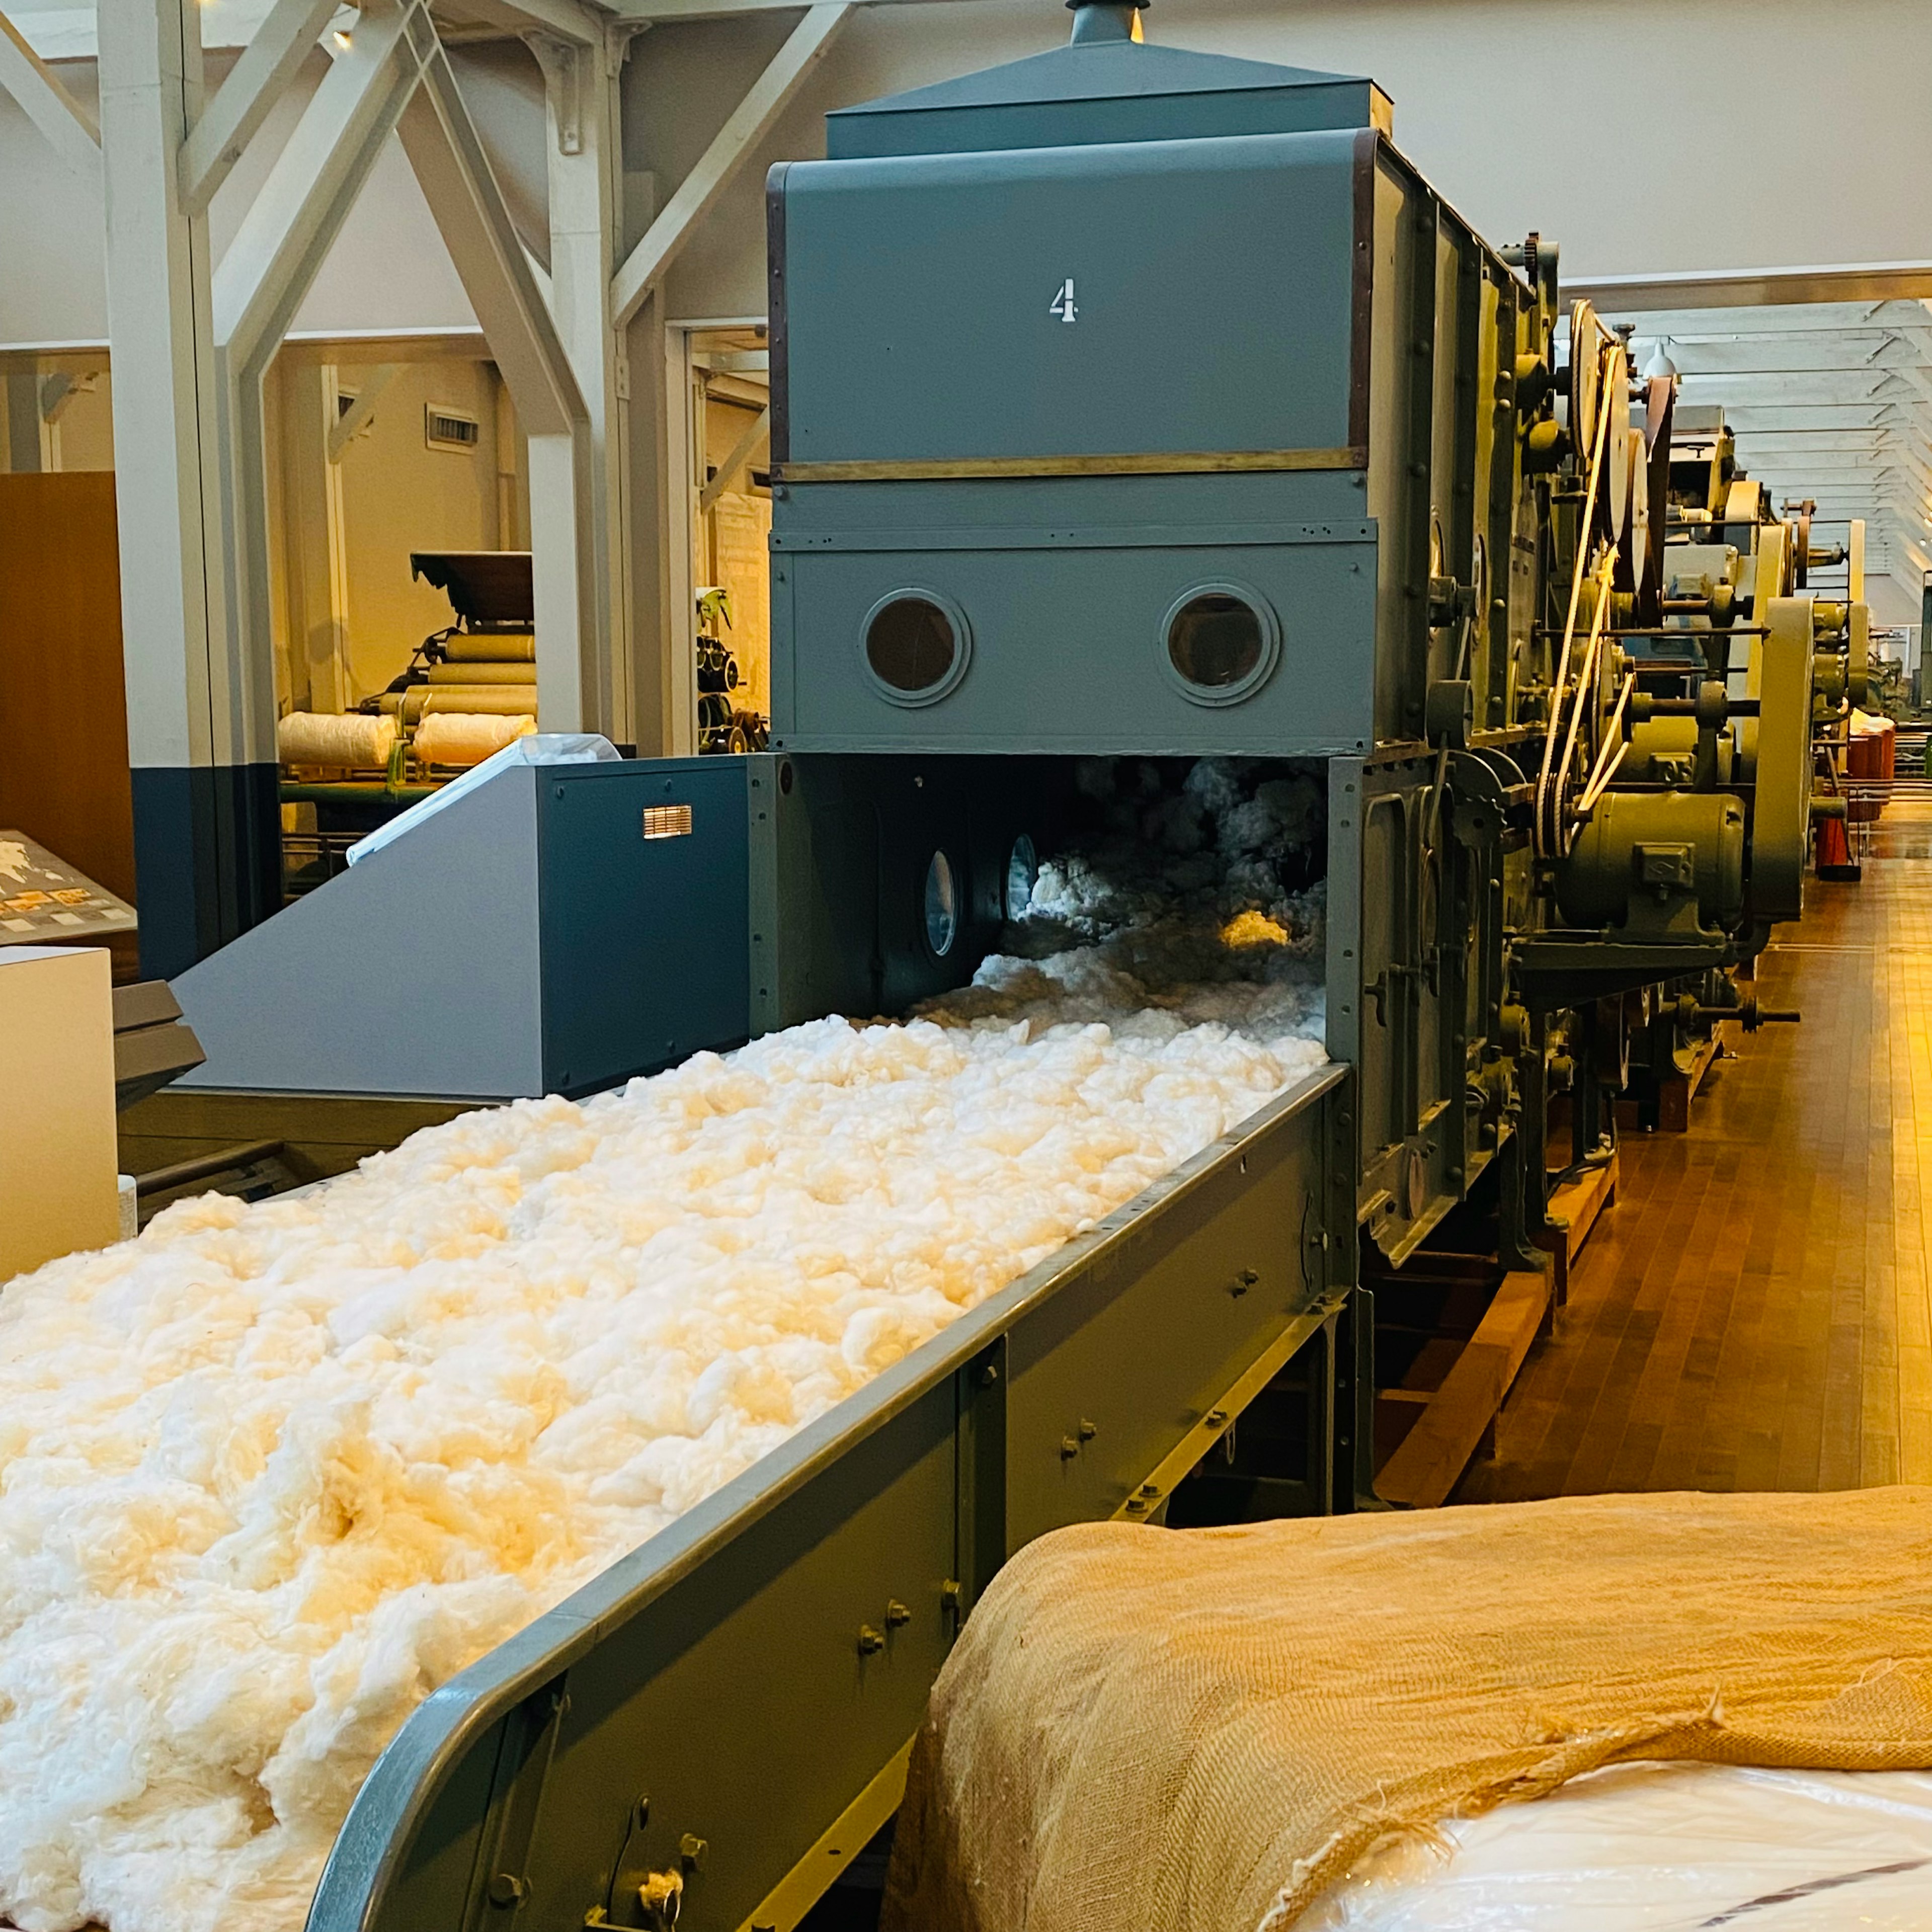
column 1146, row 1731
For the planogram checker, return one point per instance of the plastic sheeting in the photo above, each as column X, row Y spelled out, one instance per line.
column 1657, row 1847
column 542, row 747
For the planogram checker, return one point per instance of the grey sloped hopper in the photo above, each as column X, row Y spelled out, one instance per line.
column 1104, row 86
column 533, row 937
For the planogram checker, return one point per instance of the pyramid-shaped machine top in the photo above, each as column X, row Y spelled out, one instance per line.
column 1105, row 90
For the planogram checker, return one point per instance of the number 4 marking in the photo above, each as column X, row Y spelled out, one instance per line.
column 1062, row 303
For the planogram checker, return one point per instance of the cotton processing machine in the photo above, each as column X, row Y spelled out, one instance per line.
column 1127, row 403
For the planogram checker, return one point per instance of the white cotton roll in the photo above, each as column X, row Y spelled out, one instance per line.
column 466, row 738
column 330, row 738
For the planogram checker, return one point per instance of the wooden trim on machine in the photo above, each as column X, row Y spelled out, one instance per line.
column 1368, row 153
column 1155, row 463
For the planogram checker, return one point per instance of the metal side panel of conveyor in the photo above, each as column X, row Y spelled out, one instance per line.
column 726, row 1710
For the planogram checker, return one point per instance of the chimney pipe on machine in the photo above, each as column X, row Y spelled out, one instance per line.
column 1097, row 20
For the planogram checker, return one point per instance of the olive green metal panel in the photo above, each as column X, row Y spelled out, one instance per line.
column 1133, row 1354
column 712, row 1704
column 1781, row 808
column 749, row 1707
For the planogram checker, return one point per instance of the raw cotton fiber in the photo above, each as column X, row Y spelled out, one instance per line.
column 270, row 1473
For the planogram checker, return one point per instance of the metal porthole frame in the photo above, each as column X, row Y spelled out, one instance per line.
column 942, row 855
column 1216, row 697
column 962, row 657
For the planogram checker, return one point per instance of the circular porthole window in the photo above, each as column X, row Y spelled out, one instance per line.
column 942, row 904
column 1220, row 643
column 915, row 645
column 1022, row 875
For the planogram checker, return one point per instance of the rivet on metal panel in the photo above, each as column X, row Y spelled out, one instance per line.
column 989, row 1375
column 643, row 1809
column 1217, row 1418
column 1069, row 1448
column 1243, row 1281
column 690, row 1851
column 1134, row 1504
column 506, row 1889
column 897, row 1615
column 870, row 1642
column 558, row 791
column 1088, row 1430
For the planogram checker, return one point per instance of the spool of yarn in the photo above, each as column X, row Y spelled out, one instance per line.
column 497, row 701
column 349, row 739
column 466, row 738
column 471, row 671
column 489, row 647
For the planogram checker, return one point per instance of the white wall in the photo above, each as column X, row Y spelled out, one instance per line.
column 1647, row 136
column 388, row 270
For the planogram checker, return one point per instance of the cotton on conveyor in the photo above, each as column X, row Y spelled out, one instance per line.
column 270, row 1473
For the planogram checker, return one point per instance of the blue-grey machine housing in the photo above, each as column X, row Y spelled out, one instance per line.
column 1059, row 353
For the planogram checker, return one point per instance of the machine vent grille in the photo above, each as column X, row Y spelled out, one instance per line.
column 450, row 429
column 666, row 821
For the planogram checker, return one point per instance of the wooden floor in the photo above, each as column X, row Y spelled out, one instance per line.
column 1756, row 1312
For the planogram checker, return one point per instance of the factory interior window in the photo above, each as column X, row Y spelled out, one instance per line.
column 1216, row 641
column 911, row 644
column 942, row 904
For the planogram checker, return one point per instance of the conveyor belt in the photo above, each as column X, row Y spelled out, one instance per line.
column 729, row 1706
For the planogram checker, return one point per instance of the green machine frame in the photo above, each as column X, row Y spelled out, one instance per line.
column 726, row 1710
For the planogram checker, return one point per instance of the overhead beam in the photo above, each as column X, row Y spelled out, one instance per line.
column 651, row 13
column 255, row 82
column 736, row 142
column 453, row 169
column 68, row 127
column 565, row 18
column 574, row 683
column 1746, row 288
column 295, row 217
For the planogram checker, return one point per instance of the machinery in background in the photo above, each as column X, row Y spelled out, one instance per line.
column 469, row 689
column 485, row 664
column 723, row 725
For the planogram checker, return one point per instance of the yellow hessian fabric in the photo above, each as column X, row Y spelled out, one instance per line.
column 1148, row 1731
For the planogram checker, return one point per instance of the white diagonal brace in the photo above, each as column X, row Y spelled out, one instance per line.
column 68, row 127
column 453, row 169
column 574, row 675
column 349, row 425
column 255, row 83
column 741, row 455
column 296, row 215
column 736, row 142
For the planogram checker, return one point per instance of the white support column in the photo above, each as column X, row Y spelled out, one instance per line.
column 205, row 817
column 315, row 565
column 574, row 677
column 683, row 433
column 586, row 174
